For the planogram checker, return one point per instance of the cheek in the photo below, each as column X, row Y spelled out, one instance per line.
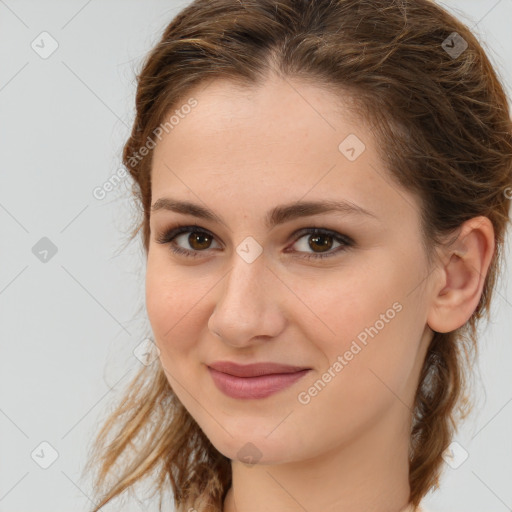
column 369, row 319
column 172, row 306
column 361, row 380
column 343, row 305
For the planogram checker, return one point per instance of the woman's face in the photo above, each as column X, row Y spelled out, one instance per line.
column 247, row 291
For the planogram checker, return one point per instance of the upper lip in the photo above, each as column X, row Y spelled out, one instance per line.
column 255, row 369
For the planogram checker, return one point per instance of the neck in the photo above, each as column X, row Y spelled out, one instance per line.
column 369, row 473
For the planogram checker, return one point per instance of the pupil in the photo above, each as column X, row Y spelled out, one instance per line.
column 323, row 247
column 197, row 237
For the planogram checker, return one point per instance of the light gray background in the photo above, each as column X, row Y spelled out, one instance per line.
column 69, row 326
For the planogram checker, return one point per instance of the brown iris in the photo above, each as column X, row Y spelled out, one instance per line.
column 314, row 239
column 199, row 238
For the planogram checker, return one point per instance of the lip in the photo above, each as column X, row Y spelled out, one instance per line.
column 254, row 381
column 254, row 369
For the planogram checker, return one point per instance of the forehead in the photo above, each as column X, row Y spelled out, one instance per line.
column 279, row 110
column 273, row 143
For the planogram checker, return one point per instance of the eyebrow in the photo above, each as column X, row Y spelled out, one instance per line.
column 278, row 215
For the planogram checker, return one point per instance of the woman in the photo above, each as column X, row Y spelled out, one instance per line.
column 325, row 194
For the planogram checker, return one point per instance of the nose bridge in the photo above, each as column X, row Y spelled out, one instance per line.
column 246, row 275
column 245, row 306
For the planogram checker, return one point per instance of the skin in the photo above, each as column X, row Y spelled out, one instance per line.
column 241, row 152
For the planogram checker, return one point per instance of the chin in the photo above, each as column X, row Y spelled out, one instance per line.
column 253, row 449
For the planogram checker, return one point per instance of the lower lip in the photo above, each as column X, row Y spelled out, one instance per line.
column 254, row 387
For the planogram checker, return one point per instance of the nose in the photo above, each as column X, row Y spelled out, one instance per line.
column 247, row 307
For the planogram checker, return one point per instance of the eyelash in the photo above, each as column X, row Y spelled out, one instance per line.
column 168, row 236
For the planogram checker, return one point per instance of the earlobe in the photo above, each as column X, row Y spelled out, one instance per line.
column 457, row 291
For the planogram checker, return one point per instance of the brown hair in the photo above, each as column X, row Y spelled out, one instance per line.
column 443, row 127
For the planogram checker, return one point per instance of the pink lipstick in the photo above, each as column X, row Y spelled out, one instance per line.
column 253, row 381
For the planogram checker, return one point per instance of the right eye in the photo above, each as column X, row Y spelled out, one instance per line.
column 197, row 237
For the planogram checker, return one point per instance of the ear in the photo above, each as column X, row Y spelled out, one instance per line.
column 460, row 280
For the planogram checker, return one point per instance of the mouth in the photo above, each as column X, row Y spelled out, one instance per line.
column 254, row 369
column 254, row 381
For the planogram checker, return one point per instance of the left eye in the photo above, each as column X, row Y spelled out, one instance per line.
column 200, row 239
column 323, row 239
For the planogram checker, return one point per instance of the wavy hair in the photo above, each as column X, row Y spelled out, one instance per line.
column 443, row 128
